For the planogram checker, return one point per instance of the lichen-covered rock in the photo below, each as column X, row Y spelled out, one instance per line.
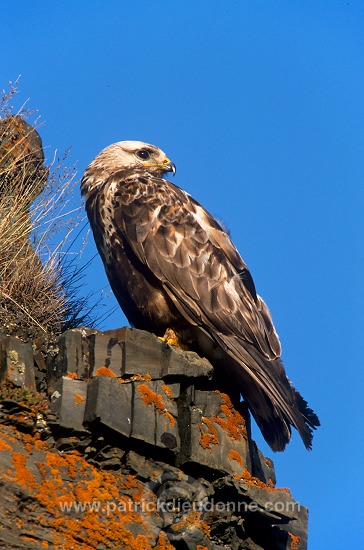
column 138, row 450
column 109, row 404
column 68, row 402
column 16, row 362
column 60, row 501
column 70, row 354
column 215, row 433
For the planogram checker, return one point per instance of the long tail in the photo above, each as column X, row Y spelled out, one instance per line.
column 275, row 404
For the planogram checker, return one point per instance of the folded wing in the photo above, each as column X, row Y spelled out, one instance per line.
column 202, row 272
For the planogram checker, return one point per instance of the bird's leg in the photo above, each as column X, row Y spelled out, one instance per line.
column 171, row 338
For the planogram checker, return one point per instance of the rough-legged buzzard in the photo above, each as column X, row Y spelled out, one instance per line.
column 172, row 265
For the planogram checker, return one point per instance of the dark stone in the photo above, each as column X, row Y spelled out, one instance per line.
column 145, row 469
column 188, row 363
column 142, row 352
column 169, row 440
column 108, row 458
column 214, row 434
column 262, row 467
column 105, row 351
column 272, row 518
column 71, row 354
column 110, row 404
column 68, row 402
column 16, row 362
column 155, row 400
column 40, row 370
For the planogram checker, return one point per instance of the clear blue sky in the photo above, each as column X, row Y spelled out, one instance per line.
column 261, row 107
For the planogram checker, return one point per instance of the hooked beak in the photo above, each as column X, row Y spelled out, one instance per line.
column 169, row 166
column 166, row 166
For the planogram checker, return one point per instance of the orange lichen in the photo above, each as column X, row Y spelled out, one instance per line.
column 295, row 541
column 40, row 445
column 29, row 538
column 22, row 475
column 4, row 446
column 72, row 470
column 233, row 424
column 146, row 377
column 234, row 455
column 78, row 399
column 105, row 371
column 192, row 520
column 72, row 375
column 163, row 542
column 255, row 482
column 28, row 441
column 155, row 399
column 209, row 437
column 168, row 391
column 48, row 481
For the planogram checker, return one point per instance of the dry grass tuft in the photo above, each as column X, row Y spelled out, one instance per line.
column 39, row 279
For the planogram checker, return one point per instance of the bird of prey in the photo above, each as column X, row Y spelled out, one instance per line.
column 171, row 265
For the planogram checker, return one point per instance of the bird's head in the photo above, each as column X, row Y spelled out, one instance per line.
column 128, row 157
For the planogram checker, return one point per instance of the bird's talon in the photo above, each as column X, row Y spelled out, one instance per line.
column 171, row 338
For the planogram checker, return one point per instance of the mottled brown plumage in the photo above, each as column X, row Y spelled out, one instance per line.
column 171, row 265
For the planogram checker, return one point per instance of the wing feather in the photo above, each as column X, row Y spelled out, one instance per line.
column 195, row 259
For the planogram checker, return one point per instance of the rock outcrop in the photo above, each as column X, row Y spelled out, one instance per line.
column 22, row 169
column 38, row 277
column 31, row 298
column 118, row 440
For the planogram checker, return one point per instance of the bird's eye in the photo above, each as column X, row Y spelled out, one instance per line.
column 143, row 154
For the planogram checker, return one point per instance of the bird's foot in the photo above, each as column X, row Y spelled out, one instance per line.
column 171, row 338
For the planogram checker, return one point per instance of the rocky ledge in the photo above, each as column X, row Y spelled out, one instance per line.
column 117, row 440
